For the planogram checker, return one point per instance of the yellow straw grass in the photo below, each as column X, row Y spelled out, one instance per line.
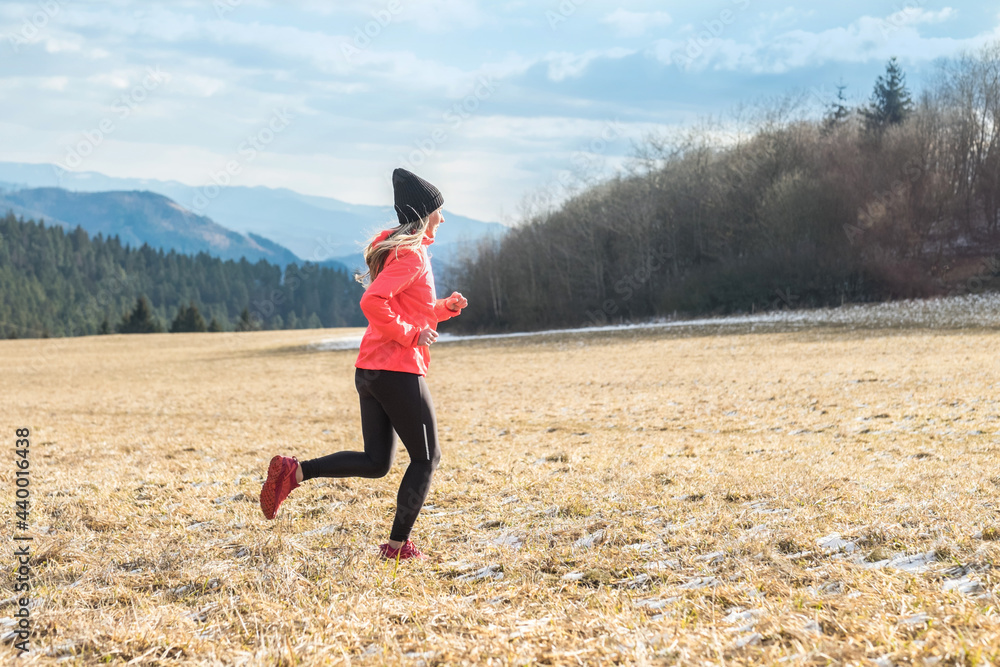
column 823, row 497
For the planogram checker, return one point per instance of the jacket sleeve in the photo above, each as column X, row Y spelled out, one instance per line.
column 442, row 312
column 398, row 273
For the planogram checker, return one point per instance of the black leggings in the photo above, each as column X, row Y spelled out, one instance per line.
column 390, row 401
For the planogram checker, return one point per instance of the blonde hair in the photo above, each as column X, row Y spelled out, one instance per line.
column 408, row 237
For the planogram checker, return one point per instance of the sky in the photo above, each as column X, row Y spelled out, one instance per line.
column 497, row 103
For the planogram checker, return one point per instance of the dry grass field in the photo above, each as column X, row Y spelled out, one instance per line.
column 819, row 497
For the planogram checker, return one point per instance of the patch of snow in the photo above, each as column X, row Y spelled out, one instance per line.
column 590, row 540
column 916, row 619
column 636, row 581
column 643, row 548
column 527, row 625
column 572, row 576
column 700, row 582
column 966, row 585
column 968, row 310
column 508, row 540
column 917, row 563
column 712, row 558
column 656, row 603
column 743, row 628
column 736, row 616
column 488, row 572
column 325, row 530
column 749, row 640
column 831, row 588
column 833, row 544
column 660, row 565
column 425, row 655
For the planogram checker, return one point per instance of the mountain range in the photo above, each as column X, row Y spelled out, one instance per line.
column 275, row 223
column 138, row 217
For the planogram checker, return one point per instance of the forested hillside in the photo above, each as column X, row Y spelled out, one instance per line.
column 56, row 283
column 897, row 197
column 138, row 217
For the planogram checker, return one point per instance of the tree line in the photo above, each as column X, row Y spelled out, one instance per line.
column 55, row 282
column 893, row 198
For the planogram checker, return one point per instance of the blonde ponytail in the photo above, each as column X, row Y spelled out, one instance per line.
column 409, row 237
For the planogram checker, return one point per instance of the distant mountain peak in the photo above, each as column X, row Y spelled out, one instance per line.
column 141, row 216
column 310, row 226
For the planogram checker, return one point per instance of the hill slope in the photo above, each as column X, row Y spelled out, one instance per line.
column 65, row 283
column 138, row 217
column 314, row 228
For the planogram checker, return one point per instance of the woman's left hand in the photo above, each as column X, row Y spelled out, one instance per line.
column 456, row 302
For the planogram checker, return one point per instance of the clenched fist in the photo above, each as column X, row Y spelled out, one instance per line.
column 456, row 302
column 426, row 337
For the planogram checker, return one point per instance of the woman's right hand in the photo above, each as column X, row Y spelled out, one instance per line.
column 426, row 337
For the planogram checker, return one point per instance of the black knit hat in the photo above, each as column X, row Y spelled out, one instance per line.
column 414, row 197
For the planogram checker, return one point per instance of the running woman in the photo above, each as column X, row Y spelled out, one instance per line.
column 403, row 311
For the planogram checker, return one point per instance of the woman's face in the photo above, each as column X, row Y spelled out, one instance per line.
column 433, row 220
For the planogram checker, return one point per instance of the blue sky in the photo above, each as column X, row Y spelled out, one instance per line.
column 495, row 103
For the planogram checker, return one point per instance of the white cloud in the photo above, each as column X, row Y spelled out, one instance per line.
column 52, row 83
column 634, row 24
column 564, row 65
column 427, row 15
column 118, row 79
column 354, row 117
column 569, row 132
column 915, row 15
column 865, row 39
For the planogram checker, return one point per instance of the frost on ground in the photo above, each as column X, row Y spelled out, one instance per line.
column 953, row 312
column 813, row 497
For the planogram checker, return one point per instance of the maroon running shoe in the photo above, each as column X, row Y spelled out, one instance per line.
column 280, row 482
column 407, row 550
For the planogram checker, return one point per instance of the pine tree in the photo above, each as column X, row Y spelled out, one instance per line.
column 65, row 284
column 214, row 325
column 140, row 320
column 890, row 103
column 105, row 327
column 246, row 323
column 837, row 111
column 188, row 319
column 177, row 326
